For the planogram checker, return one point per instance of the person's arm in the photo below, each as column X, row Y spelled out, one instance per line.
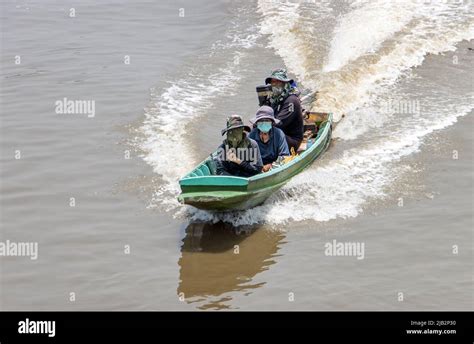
column 221, row 163
column 253, row 168
column 283, row 149
column 250, row 168
column 291, row 108
column 245, row 166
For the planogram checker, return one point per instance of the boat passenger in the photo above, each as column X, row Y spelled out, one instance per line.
column 270, row 139
column 238, row 155
column 286, row 104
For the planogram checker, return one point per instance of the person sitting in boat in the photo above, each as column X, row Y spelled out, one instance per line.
column 270, row 139
column 286, row 104
column 238, row 155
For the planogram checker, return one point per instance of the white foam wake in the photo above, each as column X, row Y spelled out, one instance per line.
column 285, row 24
column 350, row 88
column 364, row 29
column 372, row 44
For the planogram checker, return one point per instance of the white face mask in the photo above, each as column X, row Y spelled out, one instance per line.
column 277, row 90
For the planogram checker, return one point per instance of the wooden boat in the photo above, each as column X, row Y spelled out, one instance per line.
column 203, row 190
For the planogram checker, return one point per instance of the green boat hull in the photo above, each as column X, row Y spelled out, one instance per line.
column 225, row 193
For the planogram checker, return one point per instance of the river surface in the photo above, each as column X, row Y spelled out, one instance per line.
column 98, row 191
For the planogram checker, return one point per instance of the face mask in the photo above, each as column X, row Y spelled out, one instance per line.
column 276, row 90
column 234, row 136
column 264, row 127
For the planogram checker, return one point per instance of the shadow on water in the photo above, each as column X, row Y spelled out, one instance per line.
column 220, row 259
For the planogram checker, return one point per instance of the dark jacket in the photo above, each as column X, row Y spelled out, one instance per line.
column 289, row 112
column 276, row 145
column 250, row 155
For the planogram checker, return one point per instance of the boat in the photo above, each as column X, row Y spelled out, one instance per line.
column 202, row 189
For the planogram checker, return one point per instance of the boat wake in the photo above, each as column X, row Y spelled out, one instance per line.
column 365, row 48
column 361, row 59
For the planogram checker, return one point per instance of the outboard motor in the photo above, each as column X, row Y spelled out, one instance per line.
column 264, row 93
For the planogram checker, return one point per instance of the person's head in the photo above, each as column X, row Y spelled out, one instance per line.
column 264, row 126
column 264, row 121
column 277, row 87
column 279, row 80
column 235, row 130
column 235, row 136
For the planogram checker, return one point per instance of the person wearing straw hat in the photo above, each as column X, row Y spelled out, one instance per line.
column 238, row 155
column 270, row 139
column 286, row 104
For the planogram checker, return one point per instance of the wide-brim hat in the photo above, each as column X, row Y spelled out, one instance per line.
column 279, row 74
column 233, row 122
column 265, row 112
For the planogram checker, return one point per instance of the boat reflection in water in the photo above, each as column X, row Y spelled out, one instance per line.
column 218, row 260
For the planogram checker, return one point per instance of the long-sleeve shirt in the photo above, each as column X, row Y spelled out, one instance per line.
column 290, row 114
column 275, row 146
column 249, row 154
